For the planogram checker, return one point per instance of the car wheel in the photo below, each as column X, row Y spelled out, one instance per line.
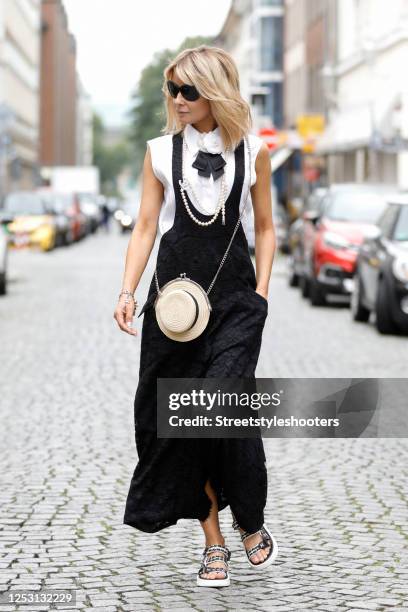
column 3, row 284
column 358, row 311
column 317, row 295
column 49, row 247
column 293, row 277
column 384, row 321
column 304, row 285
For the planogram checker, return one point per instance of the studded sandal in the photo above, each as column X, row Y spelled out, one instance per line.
column 207, row 558
column 268, row 540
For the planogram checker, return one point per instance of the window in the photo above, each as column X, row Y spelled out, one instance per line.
column 400, row 232
column 273, row 102
column 271, row 43
column 359, row 206
column 387, row 220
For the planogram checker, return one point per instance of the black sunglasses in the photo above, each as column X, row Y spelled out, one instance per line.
column 189, row 92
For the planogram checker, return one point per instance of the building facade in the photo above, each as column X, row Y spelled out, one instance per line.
column 58, row 86
column 84, row 130
column 252, row 33
column 309, row 47
column 367, row 135
column 19, row 93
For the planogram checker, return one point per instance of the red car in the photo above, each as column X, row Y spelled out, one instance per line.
column 333, row 237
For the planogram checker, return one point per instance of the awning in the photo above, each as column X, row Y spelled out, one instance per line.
column 279, row 157
column 349, row 130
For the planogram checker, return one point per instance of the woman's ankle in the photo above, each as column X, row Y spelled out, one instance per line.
column 220, row 540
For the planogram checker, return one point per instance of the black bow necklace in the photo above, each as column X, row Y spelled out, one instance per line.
column 213, row 165
column 209, row 163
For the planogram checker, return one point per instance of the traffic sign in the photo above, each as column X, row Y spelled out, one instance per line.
column 270, row 136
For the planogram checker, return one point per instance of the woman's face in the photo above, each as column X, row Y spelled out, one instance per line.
column 190, row 112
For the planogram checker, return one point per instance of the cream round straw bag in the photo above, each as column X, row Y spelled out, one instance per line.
column 182, row 305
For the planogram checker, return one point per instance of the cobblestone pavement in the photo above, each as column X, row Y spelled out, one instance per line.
column 337, row 507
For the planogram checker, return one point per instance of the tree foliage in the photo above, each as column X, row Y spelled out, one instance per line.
column 110, row 159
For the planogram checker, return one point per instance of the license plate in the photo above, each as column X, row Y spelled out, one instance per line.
column 21, row 239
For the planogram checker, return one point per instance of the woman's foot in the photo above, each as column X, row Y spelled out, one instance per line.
column 217, row 563
column 251, row 541
column 261, row 547
column 214, row 573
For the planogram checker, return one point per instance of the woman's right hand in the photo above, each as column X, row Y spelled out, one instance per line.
column 124, row 314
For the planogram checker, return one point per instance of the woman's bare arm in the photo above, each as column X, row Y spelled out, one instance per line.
column 265, row 239
column 141, row 241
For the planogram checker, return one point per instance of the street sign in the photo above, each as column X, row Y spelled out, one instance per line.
column 270, row 136
column 310, row 127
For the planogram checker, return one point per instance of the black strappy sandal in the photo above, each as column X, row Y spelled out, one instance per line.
column 205, row 569
column 267, row 540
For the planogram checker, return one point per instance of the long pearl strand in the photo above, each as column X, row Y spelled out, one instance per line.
column 185, row 183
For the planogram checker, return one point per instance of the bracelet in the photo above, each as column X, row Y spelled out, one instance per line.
column 129, row 294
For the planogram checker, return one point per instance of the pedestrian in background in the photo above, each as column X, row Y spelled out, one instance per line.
column 106, row 213
column 196, row 179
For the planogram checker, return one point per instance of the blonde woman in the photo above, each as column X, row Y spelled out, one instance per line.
column 194, row 181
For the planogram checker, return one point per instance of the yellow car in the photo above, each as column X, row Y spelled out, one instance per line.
column 28, row 221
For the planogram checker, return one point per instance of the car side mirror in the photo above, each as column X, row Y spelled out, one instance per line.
column 311, row 215
column 373, row 233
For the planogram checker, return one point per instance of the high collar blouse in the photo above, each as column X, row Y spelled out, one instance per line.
column 205, row 188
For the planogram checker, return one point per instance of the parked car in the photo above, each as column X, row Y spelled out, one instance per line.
column 332, row 237
column 80, row 225
column 3, row 259
column 59, row 204
column 381, row 279
column 29, row 221
column 91, row 209
column 295, row 235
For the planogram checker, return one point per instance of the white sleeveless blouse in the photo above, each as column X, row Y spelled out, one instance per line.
column 206, row 189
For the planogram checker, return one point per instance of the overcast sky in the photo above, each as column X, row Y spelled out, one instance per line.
column 117, row 38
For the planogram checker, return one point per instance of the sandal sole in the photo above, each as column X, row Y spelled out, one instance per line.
column 209, row 582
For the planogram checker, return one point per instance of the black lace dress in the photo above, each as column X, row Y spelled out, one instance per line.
column 169, row 478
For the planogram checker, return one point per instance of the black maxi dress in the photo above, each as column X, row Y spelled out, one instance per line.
column 169, row 478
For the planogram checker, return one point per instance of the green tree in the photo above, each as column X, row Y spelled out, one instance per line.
column 147, row 112
column 109, row 159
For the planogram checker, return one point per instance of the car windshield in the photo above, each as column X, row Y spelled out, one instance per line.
column 401, row 227
column 359, row 206
column 20, row 203
column 59, row 203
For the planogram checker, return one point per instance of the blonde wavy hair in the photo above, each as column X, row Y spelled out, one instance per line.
column 214, row 73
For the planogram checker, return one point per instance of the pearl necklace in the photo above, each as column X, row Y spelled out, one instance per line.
column 185, row 183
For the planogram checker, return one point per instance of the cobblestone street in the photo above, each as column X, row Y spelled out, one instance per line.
column 338, row 507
